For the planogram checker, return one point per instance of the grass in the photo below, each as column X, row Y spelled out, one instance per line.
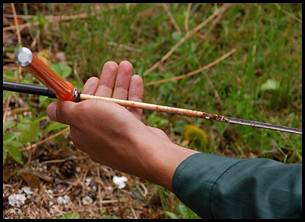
column 268, row 47
column 268, row 41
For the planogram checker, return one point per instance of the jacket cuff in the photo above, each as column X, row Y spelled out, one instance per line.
column 195, row 177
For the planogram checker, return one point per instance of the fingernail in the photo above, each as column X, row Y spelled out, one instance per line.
column 52, row 111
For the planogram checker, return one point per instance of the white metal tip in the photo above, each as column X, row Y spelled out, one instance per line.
column 23, row 56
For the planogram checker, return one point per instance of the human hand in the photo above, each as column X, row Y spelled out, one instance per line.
column 114, row 135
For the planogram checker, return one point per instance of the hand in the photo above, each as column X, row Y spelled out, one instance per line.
column 114, row 135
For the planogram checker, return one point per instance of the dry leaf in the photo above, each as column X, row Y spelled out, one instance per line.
column 32, row 180
column 7, row 173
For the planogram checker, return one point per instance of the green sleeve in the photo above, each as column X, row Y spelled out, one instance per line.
column 222, row 187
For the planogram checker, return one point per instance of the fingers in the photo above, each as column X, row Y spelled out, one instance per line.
column 121, row 87
column 136, row 93
column 51, row 110
column 117, row 81
column 62, row 112
column 90, row 86
column 107, row 79
column 136, row 88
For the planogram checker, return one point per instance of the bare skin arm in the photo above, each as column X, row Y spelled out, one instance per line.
column 114, row 135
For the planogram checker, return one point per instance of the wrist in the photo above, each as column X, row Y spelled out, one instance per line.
column 164, row 161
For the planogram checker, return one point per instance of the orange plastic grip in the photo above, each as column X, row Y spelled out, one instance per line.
column 64, row 90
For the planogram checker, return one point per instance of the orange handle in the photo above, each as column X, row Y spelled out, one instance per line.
column 64, row 90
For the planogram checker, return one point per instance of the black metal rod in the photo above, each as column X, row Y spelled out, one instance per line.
column 27, row 88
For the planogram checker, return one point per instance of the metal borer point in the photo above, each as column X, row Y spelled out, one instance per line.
column 23, row 56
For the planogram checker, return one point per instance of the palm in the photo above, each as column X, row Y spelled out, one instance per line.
column 118, row 81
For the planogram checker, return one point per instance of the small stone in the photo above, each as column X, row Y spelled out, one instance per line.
column 88, row 181
column 27, row 191
column 120, row 182
column 65, row 200
column 16, row 200
column 87, row 200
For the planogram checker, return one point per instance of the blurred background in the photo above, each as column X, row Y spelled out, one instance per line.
column 242, row 60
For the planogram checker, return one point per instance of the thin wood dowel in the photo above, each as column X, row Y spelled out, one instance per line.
column 193, row 113
column 158, row 108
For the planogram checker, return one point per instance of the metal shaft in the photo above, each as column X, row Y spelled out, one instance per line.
column 256, row 124
column 27, row 88
column 38, row 90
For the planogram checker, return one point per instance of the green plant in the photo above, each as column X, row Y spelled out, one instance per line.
column 69, row 215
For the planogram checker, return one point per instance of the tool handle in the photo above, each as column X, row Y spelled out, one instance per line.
column 63, row 89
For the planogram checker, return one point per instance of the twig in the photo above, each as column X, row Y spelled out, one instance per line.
column 127, row 47
column 165, row 6
column 211, row 27
column 133, row 213
column 75, row 72
column 35, row 39
column 30, row 147
column 65, row 159
column 111, row 201
column 25, row 8
column 5, row 68
column 18, row 16
column 208, row 66
column 18, row 35
column 82, row 180
column 186, row 21
column 50, row 20
column 18, row 110
column 188, row 35
column 7, row 185
column 99, row 181
column 65, row 191
column 38, row 174
column 141, row 186
column 288, row 13
column 214, row 89
column 16, row 23
column 105, row 202
column 6, row 108
column 21, row 27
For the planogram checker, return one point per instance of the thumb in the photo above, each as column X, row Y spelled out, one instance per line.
column 61, row 111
